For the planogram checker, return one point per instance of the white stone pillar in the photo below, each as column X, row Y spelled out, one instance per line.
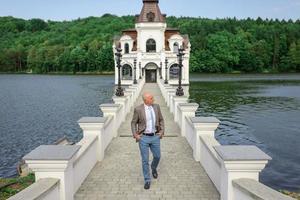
column 123, row 102
column 94, row 126
column 170, row 95
column 168, row 92
column 203, row 126
column 134, row 93
column 166, row 89
column 187, row 110
column 54, row 161
column 112, row 110
column 176, row 101
column 239, row 162
column 129, row 95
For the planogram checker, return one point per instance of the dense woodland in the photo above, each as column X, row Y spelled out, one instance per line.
column 85, row 45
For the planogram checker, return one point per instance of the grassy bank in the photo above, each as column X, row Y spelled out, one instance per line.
column 291, row 194
column 11, row 186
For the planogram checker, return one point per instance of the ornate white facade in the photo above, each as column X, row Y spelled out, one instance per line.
column 150, row 44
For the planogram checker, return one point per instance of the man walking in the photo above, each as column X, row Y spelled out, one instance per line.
column 150, row 130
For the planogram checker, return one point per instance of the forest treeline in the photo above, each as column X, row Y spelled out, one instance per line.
column 85, row 45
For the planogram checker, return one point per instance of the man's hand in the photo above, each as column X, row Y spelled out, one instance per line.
column 137, row 137
column 160, row 135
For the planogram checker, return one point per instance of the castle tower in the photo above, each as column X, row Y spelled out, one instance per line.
column 150, row 43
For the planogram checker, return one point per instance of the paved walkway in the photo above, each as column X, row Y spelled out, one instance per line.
column 119, row 175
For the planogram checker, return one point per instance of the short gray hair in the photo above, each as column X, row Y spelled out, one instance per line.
column 146, row 93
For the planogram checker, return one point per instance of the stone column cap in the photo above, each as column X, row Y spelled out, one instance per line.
column 92, row 120
column 52, row 152
column 127, row 92
column 241, row 153
column 171, row 91
column 117, row 97
column 180, row 97
column 131, row 89
column 205, row 120
column 188, row 104
column 110, row 105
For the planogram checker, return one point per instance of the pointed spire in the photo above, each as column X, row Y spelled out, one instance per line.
column 150, row 12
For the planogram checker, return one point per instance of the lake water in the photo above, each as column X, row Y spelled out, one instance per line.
column 261, row 110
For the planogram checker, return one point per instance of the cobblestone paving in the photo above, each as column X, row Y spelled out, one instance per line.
column 119, row 175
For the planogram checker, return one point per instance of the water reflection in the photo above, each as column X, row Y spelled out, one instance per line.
column 264, row 113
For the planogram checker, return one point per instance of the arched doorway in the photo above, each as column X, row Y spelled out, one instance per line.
column 151, row 73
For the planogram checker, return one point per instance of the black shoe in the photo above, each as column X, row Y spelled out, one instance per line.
column 154, row 173
column 147, row 185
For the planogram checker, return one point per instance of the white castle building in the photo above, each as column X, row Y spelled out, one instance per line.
column 151, row 44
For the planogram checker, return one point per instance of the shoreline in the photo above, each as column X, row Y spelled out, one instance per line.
column 62, row 73
column 191, row 73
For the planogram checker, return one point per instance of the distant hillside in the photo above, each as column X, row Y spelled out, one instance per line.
column 84, row 45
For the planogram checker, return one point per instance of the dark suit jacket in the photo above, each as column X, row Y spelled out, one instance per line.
column 139, row 119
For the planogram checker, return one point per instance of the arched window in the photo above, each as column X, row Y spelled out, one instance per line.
column 151, row 45
column 126, row 72
column 175, row 47
column 174, row 71
column 126, row 48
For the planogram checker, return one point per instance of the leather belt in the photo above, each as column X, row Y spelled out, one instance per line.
column 149, row 134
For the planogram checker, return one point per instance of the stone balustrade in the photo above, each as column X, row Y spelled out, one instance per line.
column 114, row 110
column 185, row 110
column 44, row 188
column 174, row 104
column 61, row 169
column 248, row 189
column 55, row 161
column 239, row 162
column 226, row 166
column 123, row 101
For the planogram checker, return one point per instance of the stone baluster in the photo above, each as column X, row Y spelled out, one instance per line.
column 94, row 126
column 239, row 162
column 54, row 161
column 112, row 110
column 187, row 110
column 203, row 126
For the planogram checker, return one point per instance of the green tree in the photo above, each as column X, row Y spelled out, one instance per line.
column 78, row 57
column 294, row 54
column 36, row 25
column 222, row 51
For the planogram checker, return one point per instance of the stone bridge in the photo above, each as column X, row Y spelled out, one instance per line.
column 106, row 162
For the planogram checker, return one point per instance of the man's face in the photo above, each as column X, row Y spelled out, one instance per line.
column 148, row 99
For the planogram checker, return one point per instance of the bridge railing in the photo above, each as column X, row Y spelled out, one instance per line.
column 234, row 169
column 61, row 169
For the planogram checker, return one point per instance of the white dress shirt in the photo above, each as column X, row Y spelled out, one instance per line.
column 149, row 126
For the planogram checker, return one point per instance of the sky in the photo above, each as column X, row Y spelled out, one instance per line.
column 59, row 10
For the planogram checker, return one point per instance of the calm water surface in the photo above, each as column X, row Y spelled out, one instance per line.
column 40, row 109
column 261, row 110
column 255, row 111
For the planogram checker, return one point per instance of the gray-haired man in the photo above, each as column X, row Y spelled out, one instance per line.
column 147, row 127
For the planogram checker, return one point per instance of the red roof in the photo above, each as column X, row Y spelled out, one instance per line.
column 150, row 12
